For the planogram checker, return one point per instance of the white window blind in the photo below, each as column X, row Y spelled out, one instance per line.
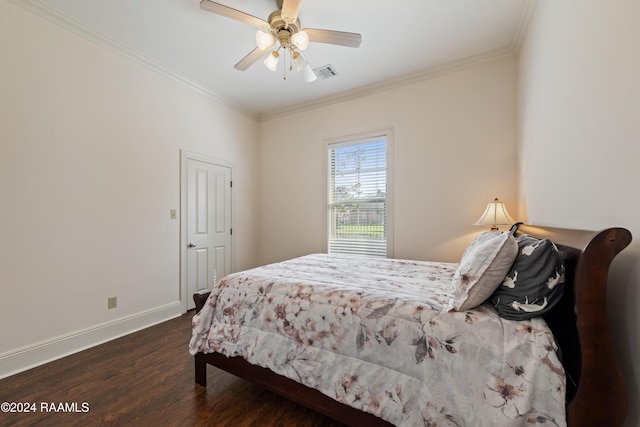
column 358, row 197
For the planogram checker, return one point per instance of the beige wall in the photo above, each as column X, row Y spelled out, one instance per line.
column 89, row 169
column 579, row 133
column 454, row 151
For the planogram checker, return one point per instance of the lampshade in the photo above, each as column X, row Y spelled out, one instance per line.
column 272, row 60
column 496, row 214
column 264, row 40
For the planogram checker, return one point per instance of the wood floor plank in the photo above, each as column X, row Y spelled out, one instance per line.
column 146, row 379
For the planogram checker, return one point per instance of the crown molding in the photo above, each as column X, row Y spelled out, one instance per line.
column 512, row 50
column 523, row 25
column 40, row 8
column 427, row 74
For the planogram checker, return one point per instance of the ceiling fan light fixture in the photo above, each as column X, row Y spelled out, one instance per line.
column 283, row 30
column 300, row 61
column 264, row 40
column 300, row 40
column 272, row 60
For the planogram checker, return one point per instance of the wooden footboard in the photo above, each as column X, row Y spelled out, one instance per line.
column 595, row 391
column 285, row 387
column 289, row 389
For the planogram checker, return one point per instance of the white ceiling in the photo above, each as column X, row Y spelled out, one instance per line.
column 401, row 40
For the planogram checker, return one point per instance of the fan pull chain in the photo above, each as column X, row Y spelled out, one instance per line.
column 284, row 63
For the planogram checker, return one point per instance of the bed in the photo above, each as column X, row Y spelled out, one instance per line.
column 404, row 356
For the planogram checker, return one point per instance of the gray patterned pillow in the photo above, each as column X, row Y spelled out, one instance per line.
column 535, row 282
column 482, row 268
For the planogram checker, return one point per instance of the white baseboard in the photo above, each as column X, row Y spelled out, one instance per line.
column 43, row 352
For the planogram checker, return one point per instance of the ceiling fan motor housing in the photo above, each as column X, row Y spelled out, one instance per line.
column 281, row 31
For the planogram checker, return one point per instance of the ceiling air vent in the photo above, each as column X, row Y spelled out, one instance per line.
column 326, row 72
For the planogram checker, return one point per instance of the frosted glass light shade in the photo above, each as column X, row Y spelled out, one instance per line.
column 300, row 61
column 272, row 61
column 308, row 75
column 300, row 40
column 264, row 40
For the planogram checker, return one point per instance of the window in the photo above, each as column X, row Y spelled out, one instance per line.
column 358, row 197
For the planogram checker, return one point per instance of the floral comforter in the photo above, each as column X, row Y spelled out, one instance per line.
column 375, row 334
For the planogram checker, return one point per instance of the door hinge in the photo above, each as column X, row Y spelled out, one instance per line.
column 231, row 184
column 231, row 231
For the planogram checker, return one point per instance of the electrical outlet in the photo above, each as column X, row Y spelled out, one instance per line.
column 112, row 302
column 173, row 214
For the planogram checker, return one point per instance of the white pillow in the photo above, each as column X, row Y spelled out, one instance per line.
column 483, row 266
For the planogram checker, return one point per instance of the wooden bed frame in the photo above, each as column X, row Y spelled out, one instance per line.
column 595, row 391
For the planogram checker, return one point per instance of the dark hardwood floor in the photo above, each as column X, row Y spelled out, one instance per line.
column 145, row 379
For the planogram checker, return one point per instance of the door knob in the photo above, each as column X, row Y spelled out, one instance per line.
column 192, row 245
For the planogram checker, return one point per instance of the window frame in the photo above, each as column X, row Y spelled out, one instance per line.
column 352, row 140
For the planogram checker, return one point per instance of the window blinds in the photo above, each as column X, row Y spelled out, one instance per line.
column 358, row 197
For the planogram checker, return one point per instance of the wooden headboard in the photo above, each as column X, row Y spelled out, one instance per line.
column 595, row 391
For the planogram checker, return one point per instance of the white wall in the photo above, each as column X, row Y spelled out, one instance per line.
column 455, row 150
column 579, row 133
column 89, row 169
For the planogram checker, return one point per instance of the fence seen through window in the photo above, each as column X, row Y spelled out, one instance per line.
column 358, row 197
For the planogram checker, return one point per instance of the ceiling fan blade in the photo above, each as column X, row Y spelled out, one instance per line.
column 290, row 10
column 334, row 37
column 251, row 58
column 220, row 9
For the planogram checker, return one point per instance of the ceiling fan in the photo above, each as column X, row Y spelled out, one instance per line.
column 282, row 31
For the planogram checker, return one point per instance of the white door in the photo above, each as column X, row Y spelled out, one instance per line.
column 208, row 216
